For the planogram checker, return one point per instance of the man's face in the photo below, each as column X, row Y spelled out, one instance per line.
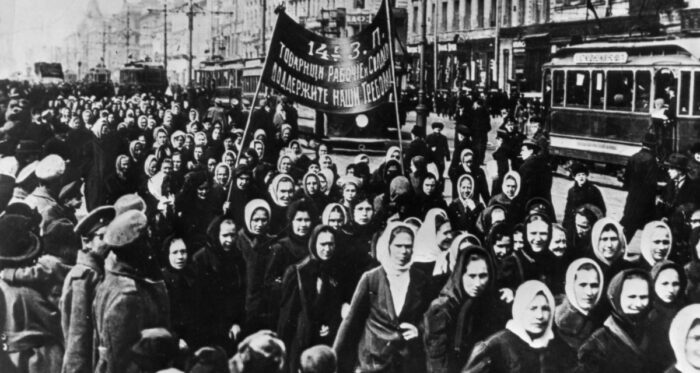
column 96, row 242
column 580, row 178
column 558, row 244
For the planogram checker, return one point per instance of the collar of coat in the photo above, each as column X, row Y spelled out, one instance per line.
column 615, row 328
column 90, row 260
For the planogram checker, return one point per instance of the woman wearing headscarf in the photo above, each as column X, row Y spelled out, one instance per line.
column 326, row 162
column 221, row 180
column 398, row 202
column 419, row 170
column 561, row 258
column 137, row 158
column 620, row 345
column 609, row 246
column 312, row 298
column 692, row 269
column 668, row 298
column 432, row 250
column 466, row 166
column 311, row 191
column 535, row 258
column 281, row 191
column 429, row 196
column 350, row 187
column 301, row 161
column 684, row 335
column 579, row 315
column 509, row 197
column 489, row 216
column 382, row 330
column 106, row 146
column 509, row 272
column 329, row 187
column 379, row 180
column 255, row 244
column 656, row 244
column 195, row 208
column 120, row 182
column 467, row 311
column 527, row 344
column 160, row 137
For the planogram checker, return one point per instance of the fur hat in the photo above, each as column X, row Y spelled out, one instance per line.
column 129, row 202
column 24, row 244
column 126, row 228
column 50, row 168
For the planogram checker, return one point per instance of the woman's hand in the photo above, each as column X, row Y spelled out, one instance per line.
column 408, row 331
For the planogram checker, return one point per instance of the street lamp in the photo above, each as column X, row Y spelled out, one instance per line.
column 421, row 108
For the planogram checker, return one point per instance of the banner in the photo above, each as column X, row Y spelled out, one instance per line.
column 335, row 75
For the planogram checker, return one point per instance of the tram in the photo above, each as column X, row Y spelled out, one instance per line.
column 604, row 96
column 48, row 73
column 98, row 82
column 142, row 77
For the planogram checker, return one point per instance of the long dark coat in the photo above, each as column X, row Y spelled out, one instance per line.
column 505, row 352
column 126, row 303
column 641, row 175
column 605, row 352
column 536, row 179
column 78, row 293
column 577, row 196
column 184, row 292
column 256, row 251
column 481, row 188
column 369, row 336
column 573, row 327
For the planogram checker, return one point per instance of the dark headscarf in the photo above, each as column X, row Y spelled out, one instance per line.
column 654, row 273
column 632, row 326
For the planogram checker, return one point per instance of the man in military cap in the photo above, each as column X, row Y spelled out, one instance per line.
column 132, row 296
column 79, row 291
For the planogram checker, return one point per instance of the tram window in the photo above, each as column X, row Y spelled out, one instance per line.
column 696, row 94
column 598, row 90
column 642, row 91
column 684, row 107
column 619, row 90
column 558, row 94
column 577, row 88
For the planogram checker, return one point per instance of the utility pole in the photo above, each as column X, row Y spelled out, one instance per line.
column 496, row 44
column 213, row 38
column 436, row 20
column 421, row 109
column 104, row 41
column 165, row 38
column 264, row 14
column 190, row 26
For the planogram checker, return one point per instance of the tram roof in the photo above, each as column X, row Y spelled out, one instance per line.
column 640, row 53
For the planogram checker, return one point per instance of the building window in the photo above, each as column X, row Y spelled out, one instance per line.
column 443, row 17
column 480, row 14
column 415, row 18
column 467, row 15
column 455, row 16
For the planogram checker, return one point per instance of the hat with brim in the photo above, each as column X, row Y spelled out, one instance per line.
column 649, row 140
column 23, row 246
column 70, row 190
column 531, row 144
column 578, row 168
column 677, row 161
column 437, row 125
column 96, row 219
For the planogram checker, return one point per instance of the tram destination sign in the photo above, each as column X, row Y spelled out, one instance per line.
column 348, row 75
column 601, row 57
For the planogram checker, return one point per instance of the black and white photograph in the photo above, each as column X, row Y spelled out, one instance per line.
column 350, row 186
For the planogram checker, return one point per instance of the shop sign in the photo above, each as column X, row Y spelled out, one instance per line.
column 412, row 49
column 358, row 19
column 518, row 44
column 449, row 47
column 601, row 58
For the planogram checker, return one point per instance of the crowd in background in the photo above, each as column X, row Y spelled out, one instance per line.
column 206, row 247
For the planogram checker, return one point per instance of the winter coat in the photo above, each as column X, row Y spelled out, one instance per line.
column 481, row 188
column 461, row 217
column 30, row 331
column 256, row 251
column 579, row 195
column 417, row 147
column 455, row 322
column 286, row 252
column 641, row 175
column 369, row 336
column 311, row 299
column 185, row 293
column 438, row 149
column 573, row 327
column 536, row 178
column 505, row 352
column 673, row 197
column 79, row 290
column 660, row 317
column 126, row 303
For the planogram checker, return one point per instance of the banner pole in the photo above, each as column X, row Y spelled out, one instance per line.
column 393, row 76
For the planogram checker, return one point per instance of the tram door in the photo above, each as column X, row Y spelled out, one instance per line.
column 663, row 112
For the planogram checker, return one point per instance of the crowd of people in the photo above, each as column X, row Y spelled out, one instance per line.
column 206, row 247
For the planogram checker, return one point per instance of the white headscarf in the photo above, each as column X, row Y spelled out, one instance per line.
column 274, row 184
column 678, row 334
column 459, row 184
column 329, row 208
column 330, row 179
column 253, row 206
column 525, row 294
column 570, row 279
column 454, row 247
column 645, row 245
column 595, row 238
column 383, row 255
column 392, row 149
column 515, row 176
column 426, row 245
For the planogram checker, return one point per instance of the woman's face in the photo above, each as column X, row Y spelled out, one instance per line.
column 142, row 123
column 221, row 175
column 301, row 224
column 475, row 277
column 211, row 165
column 314, row 168
column 258, row 222
column 536, row 316
column 349, row 192
column 401, row 249
column 586, row 288
column 322, row 150
column 363, row 213
column 285, row 190
column 323, row 183
column 203, row 191
column 178, row 254
column 312, row 185
column 161, row 138
column 667, row 285
column 660, row 244
column 228, row 159
column 193, row 115
column 692, row 346
column 634, row 297
column 518, row 241
column 189, row 142
column 510, row 187
column 467, row 160
column 325, row 245
column 216, row 134
column 558, row 243
column 326, row 162
column 336, row 219
column 259, row 149
column 429, row 186
column 444, row 236
column 285, row 165
column 396, row 155
column 538, row 235
column 179, row 142
column 124, row 165
column 296, row 148
column 153, row 167
column 609, row 244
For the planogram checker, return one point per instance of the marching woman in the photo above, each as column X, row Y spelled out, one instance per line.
column 535, row 258
column 684, row 336
column 692, row 269
column 381, row 332
column 609, row 246
column 467, row 311
column 311, row 298
column 656, row 244
column 527, row 344
column 281, row 190
column 579, row 315
column 620, row 344
column 464, row 210
column 668, row 298
column 432, row 254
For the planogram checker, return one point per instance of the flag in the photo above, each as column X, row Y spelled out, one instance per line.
column 335, row 75
column 589, row 5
